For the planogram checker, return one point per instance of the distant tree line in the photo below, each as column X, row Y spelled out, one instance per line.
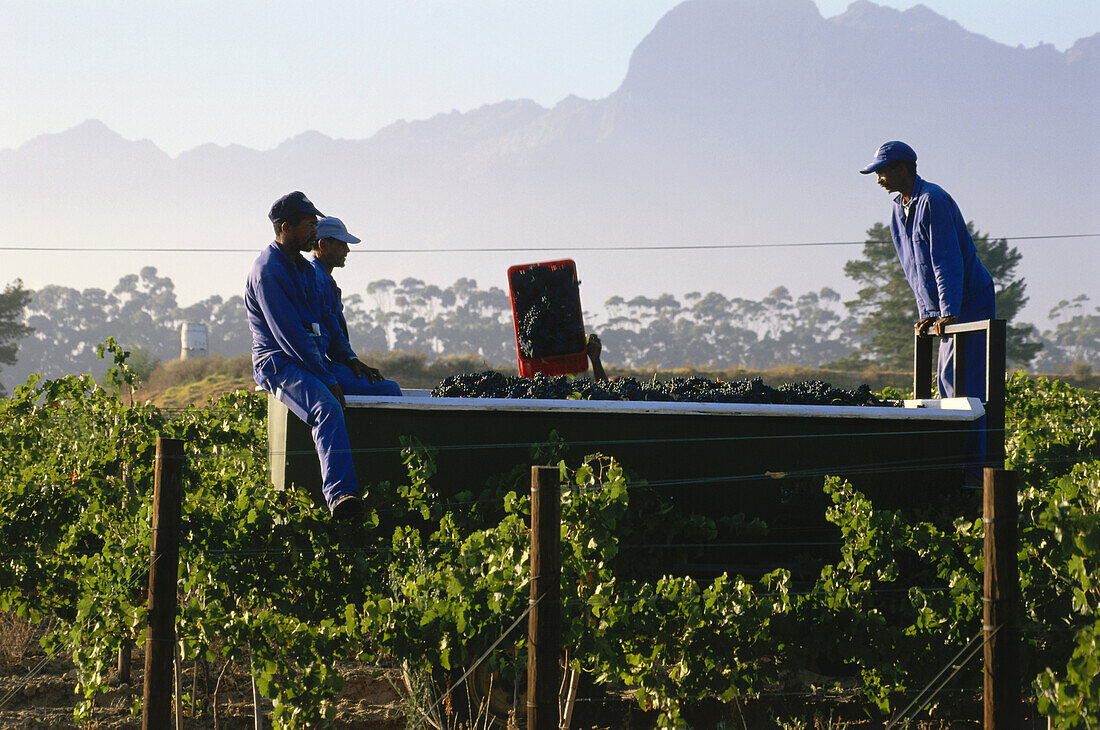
column 55, row 330
column 12, row 302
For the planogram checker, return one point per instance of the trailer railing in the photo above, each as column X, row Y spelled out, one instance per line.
column 995, row 368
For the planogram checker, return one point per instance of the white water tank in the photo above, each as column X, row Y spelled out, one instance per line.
column 192, row 340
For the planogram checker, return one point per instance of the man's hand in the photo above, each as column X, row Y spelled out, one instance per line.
column 360, row 369
column 339, row 393
column 923, row 324
column 942, row 322
column 594, row 347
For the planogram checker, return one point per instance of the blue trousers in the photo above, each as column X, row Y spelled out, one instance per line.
column 352, row 385
column 309, row 399
column 973, row 384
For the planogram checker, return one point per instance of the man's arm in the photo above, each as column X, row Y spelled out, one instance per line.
column 945, row 253
column 277, row 299
column 331, row 311
column 594, row 348
column 339, row 349
column 907, row 255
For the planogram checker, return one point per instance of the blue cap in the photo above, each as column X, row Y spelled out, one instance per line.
column 888, row 152
column 291, row 204
column 334, row 228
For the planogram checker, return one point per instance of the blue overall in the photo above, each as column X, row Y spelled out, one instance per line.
column 941, row 264
column 335, row 344
column 287, row 359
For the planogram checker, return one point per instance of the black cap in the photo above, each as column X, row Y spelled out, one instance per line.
column 291, row 204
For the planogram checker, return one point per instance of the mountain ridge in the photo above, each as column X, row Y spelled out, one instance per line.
column 861, row 15
column 737, row 122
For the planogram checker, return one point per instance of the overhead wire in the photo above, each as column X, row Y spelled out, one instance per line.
column 510, row 249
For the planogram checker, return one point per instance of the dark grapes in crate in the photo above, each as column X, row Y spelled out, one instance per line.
column 548, row 311
column 491, row 384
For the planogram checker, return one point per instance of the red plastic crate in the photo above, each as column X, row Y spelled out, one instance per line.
column 569, row 363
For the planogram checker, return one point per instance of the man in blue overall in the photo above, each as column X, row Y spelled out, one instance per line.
column 937, row 254
column 287, row 359
column 330, row 250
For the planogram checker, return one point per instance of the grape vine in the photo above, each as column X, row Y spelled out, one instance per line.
column 430, row 580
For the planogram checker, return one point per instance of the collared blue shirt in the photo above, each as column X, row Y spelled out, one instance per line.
column 936, row 252
column 280, row 299
column 331, row 310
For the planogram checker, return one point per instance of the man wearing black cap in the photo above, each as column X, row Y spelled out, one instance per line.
column 330, row 250
column 940, row 262
column 287, row 359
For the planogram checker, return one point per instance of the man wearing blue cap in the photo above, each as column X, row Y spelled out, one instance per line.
column 287, row 358
column 330, row 250
column 940, row 262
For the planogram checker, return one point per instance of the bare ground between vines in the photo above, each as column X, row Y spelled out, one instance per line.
column 44, row 697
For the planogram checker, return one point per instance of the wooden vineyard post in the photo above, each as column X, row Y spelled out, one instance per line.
column 995, row 357
column 544, row 621
column 160, row 639
column 124, row 654
column 1000, row 598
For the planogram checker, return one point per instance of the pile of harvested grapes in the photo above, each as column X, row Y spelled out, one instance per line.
column 491, row 384
column 548, row 311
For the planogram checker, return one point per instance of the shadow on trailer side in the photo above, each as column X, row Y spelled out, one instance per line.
column 717, row 460
column 765, row 462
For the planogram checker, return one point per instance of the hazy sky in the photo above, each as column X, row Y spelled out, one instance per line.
column 256, row 72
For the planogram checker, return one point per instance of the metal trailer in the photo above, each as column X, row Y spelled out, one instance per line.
column 762, row 462
column 718, row 456
column 714, row 459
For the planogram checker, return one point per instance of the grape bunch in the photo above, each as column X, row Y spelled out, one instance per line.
column 820, row 393
column 548, row 311
column 491, row 384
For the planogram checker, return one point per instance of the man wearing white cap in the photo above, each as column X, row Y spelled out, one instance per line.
column 330, row 251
